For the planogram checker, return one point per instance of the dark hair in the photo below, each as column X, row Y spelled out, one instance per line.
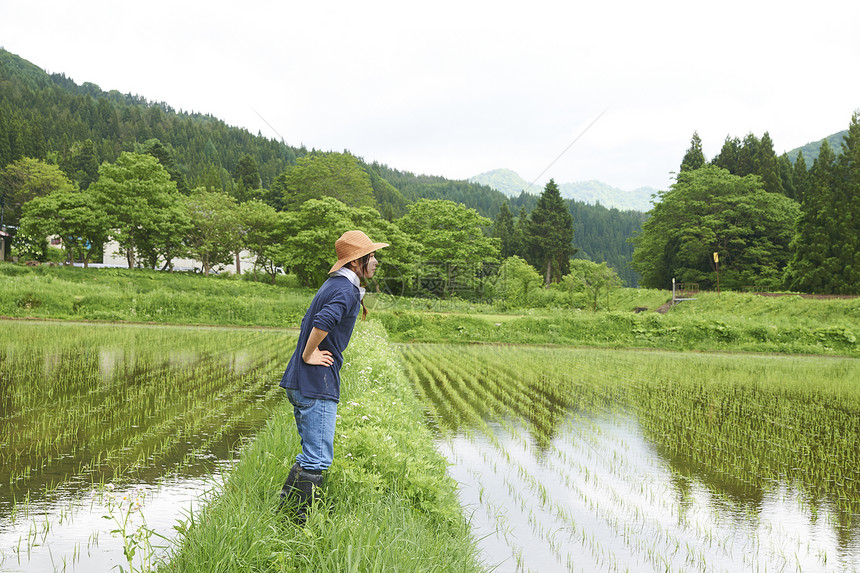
column 362, row 263
column 362, row 269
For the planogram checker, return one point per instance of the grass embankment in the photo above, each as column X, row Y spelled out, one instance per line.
column 388, row 503
column 138, row 295
column 725, row 322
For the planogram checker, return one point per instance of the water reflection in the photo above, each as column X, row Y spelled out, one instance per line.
column 648, row 462
column 155, row 408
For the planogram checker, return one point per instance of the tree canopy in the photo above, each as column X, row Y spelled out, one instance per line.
column 707, row 211
column 144, row 207
column 318, row 175
column 451, row 242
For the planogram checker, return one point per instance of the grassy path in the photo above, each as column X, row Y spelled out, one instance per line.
column 388, row 505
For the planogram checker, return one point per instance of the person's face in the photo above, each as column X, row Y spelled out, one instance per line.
column 368, row 271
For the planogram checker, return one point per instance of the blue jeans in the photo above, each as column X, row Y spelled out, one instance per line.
column 315, row 420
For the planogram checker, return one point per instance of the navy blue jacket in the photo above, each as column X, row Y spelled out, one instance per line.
column 334, row 310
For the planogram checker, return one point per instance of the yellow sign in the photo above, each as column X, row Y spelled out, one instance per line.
column 716, row 257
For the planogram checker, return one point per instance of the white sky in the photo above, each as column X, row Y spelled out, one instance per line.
column 456, row 88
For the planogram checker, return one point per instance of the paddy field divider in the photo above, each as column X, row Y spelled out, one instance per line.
column 388, row 503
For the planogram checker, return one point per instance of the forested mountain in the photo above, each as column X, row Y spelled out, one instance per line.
column 600, row 234
column 592, row 192
column 79, row 127
column 811, row 150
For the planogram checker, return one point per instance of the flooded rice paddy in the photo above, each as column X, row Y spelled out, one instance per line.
column 112, row 435
column 568, row 459
column 593, row 460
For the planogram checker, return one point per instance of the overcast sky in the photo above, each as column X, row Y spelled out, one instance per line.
column 457, row 88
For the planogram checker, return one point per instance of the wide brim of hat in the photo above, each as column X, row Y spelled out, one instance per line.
column 360, row 253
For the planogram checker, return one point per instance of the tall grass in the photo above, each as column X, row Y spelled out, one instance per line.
column 388, row 504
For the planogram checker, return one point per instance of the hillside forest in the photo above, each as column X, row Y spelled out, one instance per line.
column 88, row 165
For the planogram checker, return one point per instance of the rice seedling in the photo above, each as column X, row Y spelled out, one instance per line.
column 87, row 405
column 651, row 461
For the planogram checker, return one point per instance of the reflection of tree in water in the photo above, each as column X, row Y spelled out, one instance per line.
column 78, row 411
column 742, row 442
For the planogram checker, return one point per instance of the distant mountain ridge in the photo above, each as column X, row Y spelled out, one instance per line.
column 810, row 150
column 511, row 184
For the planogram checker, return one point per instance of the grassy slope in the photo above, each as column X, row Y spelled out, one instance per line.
column 388, row 503
column 146, row 296
column 730, row 321
column 726, row 322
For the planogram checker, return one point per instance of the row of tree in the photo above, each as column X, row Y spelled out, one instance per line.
column 438, row 247
column 757, row 221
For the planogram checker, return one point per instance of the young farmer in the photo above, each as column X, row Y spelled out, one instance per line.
column 312, row 377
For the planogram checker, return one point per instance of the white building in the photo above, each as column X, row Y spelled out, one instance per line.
column 114, row 256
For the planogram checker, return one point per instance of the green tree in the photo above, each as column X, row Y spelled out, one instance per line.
column 504, row 231
column 74, row 216
column 848, row 188
column 248, row 180
column 24, row 180
column 748, row 154
column 337, row 175
column 214, row 228
column 521, row 231
column 786, row 176
column 710, row 210
column 516, row 282
column 694, row 158
column 800, row 177
column 165, row 156
column 143, row 205
column 309, row 235
column 767, row 166
column 261, row 230
column 452, row 245
column 812, row 264
column 83, row 164
column 550, row 234
column 593, row 281
column 727, row 158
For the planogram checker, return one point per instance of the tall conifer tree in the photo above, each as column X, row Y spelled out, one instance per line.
column 727, row 158
column 695, row 157
column 503, row 229
column 848, row 199
column 811, row 267
column 551, row 234
column 767, row 165
column 800, row 176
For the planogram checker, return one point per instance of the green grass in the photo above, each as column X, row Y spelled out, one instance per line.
column 725, row 322
column 713, row 330
column 147, row 296
column 388, row 504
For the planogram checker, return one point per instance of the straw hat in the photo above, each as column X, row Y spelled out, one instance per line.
column 353, row 245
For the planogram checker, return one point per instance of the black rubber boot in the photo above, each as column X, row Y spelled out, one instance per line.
column 306, row 492
column 289, row 486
